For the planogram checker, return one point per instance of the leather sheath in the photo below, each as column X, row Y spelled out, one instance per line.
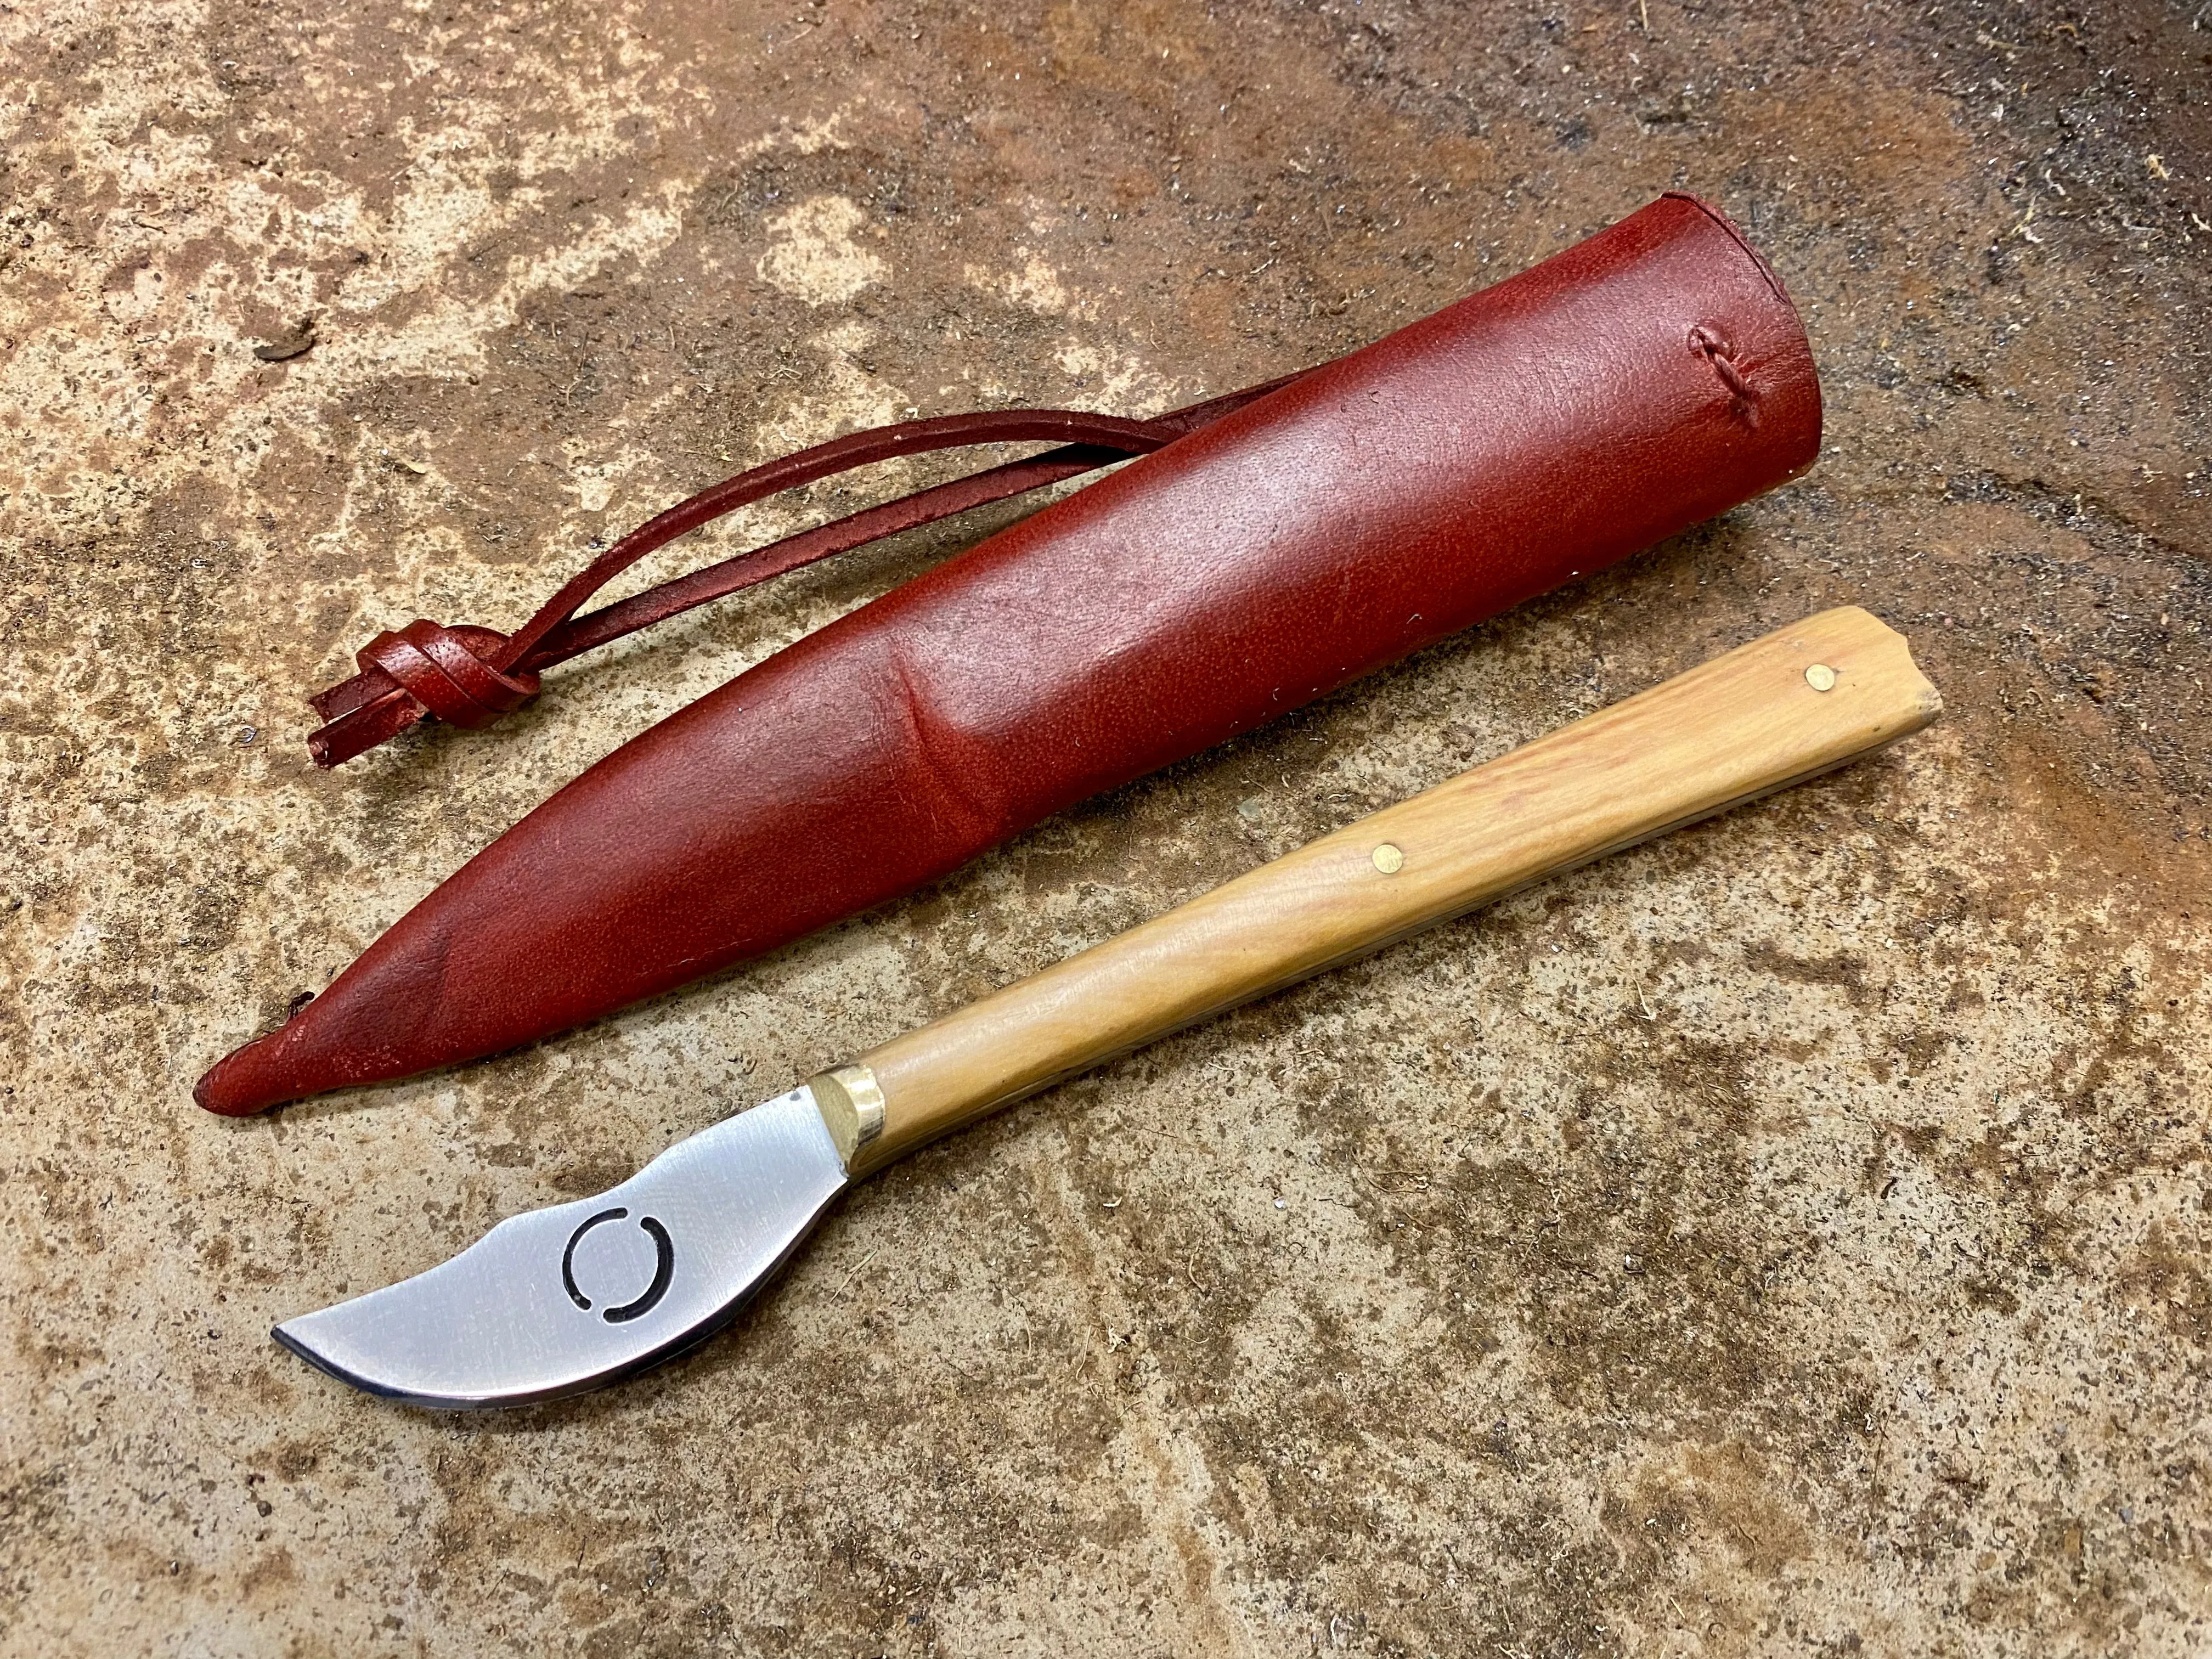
column 1620, row 392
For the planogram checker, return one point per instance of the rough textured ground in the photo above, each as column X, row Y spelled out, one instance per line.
column 1788, row 1238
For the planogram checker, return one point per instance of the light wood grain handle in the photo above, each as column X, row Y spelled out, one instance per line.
column 1796, row 703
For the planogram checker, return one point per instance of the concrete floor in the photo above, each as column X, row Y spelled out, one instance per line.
column 1790, row 1238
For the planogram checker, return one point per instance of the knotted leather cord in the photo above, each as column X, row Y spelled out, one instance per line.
column 468, row 676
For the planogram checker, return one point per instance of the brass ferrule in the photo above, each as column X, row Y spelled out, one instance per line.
column 852, row 1108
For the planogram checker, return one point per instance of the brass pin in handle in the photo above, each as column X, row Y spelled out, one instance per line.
column 1797, row 702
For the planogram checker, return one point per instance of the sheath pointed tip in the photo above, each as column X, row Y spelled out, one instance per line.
column 240, row 1084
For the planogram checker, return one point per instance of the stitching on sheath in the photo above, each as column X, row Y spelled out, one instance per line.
column 1736, row 236
column 1709, row 343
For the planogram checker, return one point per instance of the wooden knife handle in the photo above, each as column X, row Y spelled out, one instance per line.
column 1796, row 703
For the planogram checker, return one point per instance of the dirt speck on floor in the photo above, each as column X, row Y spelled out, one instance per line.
column 1788, row 1238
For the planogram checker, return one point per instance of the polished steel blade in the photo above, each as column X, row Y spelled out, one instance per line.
column 563, row 1299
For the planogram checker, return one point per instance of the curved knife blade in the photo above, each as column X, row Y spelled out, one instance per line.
column 560, row 1300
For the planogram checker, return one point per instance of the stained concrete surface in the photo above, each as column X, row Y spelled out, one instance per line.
column 1787, row 1239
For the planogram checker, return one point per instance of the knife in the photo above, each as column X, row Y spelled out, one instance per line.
column 563, row 1299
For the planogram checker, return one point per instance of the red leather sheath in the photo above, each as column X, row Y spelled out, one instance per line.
column 1623, row 390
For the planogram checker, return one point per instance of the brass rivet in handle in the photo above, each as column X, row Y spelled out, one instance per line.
column 1820, row 677
column 1388, row 860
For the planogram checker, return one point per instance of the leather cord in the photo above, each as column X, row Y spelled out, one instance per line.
column 468, row 676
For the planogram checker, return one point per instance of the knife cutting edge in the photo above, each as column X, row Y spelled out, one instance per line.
column 571, row 1297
